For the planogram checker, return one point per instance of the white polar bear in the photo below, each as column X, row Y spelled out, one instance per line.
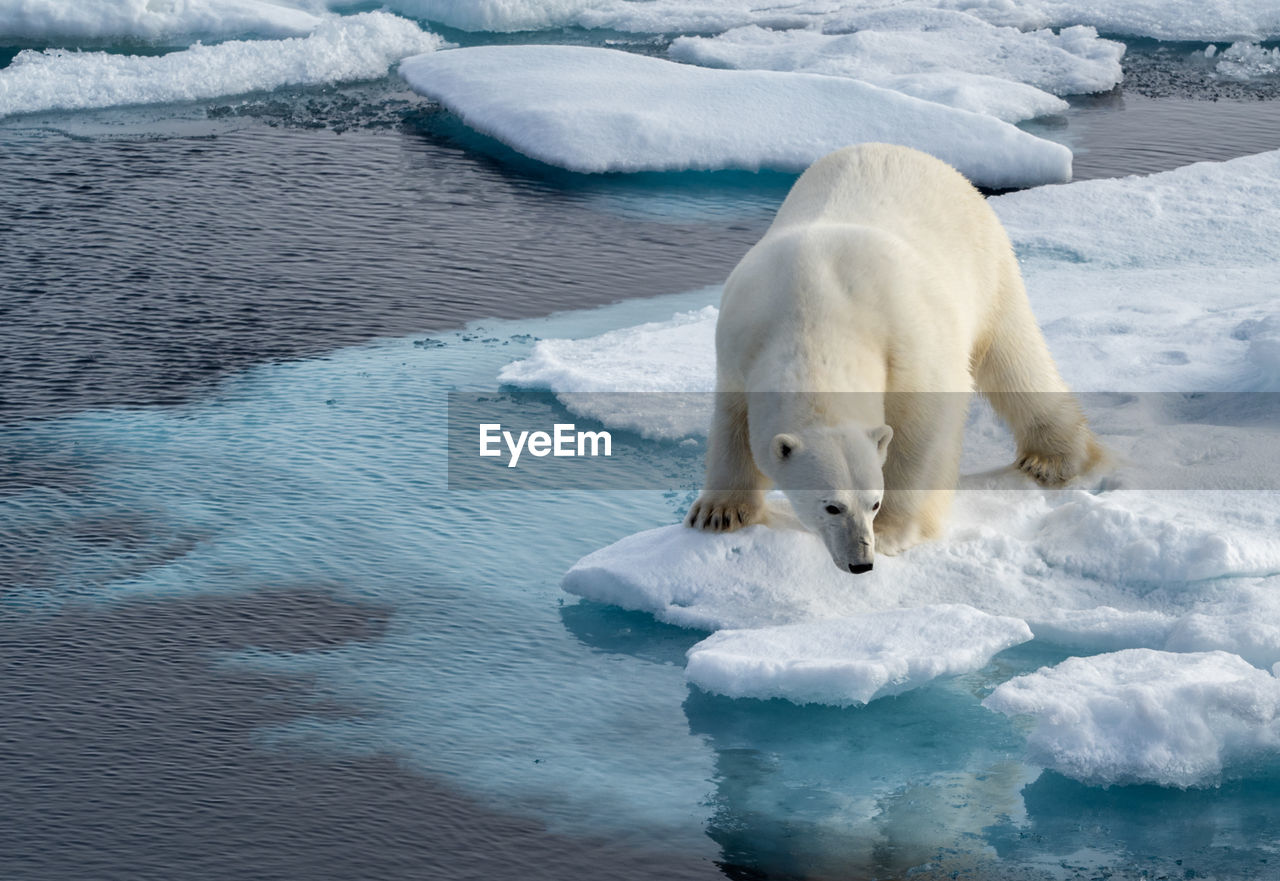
column 849, row 340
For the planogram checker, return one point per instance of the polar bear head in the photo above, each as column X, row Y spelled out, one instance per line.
column 834, row 479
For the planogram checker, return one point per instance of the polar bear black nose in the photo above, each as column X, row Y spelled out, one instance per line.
column 859, row 568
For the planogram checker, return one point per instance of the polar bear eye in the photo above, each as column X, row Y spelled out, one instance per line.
column 834, row 509
column 875, row 507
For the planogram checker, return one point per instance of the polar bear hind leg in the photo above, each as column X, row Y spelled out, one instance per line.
column 1017, row 374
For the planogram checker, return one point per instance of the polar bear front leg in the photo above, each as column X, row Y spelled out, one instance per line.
column 733, row 495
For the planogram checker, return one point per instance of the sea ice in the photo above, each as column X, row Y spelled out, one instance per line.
column 853, row 660
column 358, row 47
column 1161, row 19
column 1244, row 61
column 53, row 22
column 601, row 110
column 611, row 374
column 1117, row 272
column 487, row 15
column 1142, row 716
column 1206, row 214
column 949, row 57
column 1122, row 299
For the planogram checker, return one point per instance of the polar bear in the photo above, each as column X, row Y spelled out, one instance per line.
column 849, row 340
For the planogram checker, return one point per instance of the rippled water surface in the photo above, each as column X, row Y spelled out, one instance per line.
column 247, row 631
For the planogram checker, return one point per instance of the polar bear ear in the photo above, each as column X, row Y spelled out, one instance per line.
column 881, row 437
column 784, row 446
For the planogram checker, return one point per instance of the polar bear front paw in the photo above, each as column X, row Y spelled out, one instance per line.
column 725, row 511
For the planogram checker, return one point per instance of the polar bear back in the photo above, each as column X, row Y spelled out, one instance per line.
column 893, row 188
column 880, row 256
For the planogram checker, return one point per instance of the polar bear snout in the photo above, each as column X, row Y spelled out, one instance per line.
column 852, row 554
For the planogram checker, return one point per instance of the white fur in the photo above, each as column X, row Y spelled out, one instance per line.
column 884, row 292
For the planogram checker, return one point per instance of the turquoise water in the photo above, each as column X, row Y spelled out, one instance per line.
column 329, row 474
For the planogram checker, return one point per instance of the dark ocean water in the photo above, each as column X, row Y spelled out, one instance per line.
column 141, row 268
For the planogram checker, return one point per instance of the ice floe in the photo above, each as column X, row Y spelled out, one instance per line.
column 1163, row 284
column 601, row 110
column 1143, row 284
column 590, row 371
column 944, row 56
column 53, row 22
column 502, row 16
column 854, row 660
column 1141, row 716
column 1207, row 214
column 1245, row 61
column 1161, row 19
column 358, row 47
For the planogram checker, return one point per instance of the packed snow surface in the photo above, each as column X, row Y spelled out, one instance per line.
column 949, row 57
column 854, row 660
column 601, row 110
column 1142, row 716
column 358, row 47
column 1161, row 19
column 163, row 21
column 1148, row 289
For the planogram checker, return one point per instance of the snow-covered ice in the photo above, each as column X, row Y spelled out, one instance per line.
column 1161, row 19
column 1158, row 285
column 1142, row 716
column 1245, row 61
column 358, row 47
column 1207, row 214
column 54, row 22
column 502, row 16
column 606, row 372
column 601, row 110
column 944, row 56
column 853, row 660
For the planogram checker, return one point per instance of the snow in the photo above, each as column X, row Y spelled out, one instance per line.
column 1142, row 716
column 846, row 661
column 491, row 15
column 1153, row 286
column 1117, row 271
column 358, row 47
column 1158, row 19
column 51, row 22
column 1207, row 214
column 944, row 56
column 600, row 110
column 1161, row 19
column 1244, row 61
column 615, row 380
